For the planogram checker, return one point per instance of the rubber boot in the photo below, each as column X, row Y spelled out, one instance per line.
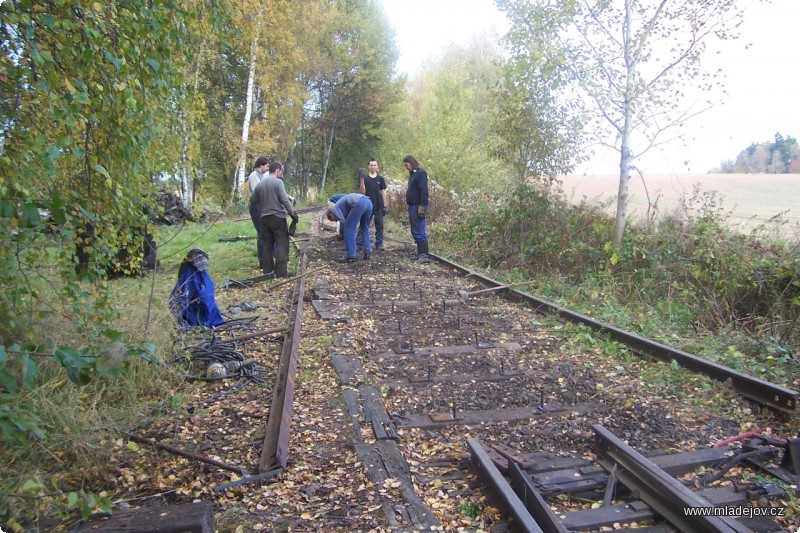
column 422, row 248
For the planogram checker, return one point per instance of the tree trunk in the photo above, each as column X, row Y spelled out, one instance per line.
column 248, row 110
column 303, row 161
column 186, row 188
column 187, row 185
column 625, row 142
column 327, row 154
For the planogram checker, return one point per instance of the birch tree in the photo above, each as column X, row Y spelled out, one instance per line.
column 634, row 63
column 241, row 168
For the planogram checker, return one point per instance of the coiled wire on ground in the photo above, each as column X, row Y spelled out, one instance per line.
column 218, row 351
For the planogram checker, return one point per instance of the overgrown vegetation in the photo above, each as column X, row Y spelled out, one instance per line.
column 82, row 84
column 686, row 278
column 58, row 430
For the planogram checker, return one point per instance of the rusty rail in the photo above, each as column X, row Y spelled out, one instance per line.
column 275, row 451
column 189, row 455
column 500, row 489
column 763, row 392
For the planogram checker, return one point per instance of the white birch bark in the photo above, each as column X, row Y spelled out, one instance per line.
column 186, row 186
column 627, row 126
column 248, row 110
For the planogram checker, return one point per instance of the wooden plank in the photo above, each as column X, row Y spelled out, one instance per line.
column 348, row 368
column 500, row 462
column 456, row 378
column 545, row 462
column 588, row 519
column 391, row 304
column 398, row 354
column 351, row 400
column 489, row 415
column 397, row 468
column 595, row 477
column 375, row 413
column 382, row 461
column 372, row 461
column 321, row 310
column 196, row 517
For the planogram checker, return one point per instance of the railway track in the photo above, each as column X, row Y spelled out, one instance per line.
column 454, row 405
column 427, row 373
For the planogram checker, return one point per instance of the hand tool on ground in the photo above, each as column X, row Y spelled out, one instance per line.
column 465, row 295
column 228, row 368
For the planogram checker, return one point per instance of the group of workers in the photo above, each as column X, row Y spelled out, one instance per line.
column 192, row 299
column 270, row 205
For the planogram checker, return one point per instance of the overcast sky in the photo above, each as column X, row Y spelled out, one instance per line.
column 763, row 79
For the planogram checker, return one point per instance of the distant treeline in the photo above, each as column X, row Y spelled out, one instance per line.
column 781, row 156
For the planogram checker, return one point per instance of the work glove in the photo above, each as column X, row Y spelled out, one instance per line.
column 295, row 218
column 385, row 210
column 421, row 211
column 292, row 227
column 292, row 199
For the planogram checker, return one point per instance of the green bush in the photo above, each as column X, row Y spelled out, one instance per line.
column 684, row 274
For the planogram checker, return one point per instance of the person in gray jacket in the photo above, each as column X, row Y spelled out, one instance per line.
column 275, row 204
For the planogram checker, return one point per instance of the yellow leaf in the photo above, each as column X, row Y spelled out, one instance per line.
column 306, row 516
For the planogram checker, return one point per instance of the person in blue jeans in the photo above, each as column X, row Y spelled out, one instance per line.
column 353, row 211
column 417, row 201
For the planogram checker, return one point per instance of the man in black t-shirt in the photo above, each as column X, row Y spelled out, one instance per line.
column 373, row 186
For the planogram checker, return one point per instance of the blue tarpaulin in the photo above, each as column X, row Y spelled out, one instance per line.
column 192, row 300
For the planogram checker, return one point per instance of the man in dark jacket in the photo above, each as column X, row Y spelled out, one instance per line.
column 417, row 201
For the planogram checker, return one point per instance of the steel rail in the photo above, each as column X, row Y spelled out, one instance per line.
column 665, row 494
column 275, row 451
column 523, row 485
column 763, row 392
column 500, row 489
